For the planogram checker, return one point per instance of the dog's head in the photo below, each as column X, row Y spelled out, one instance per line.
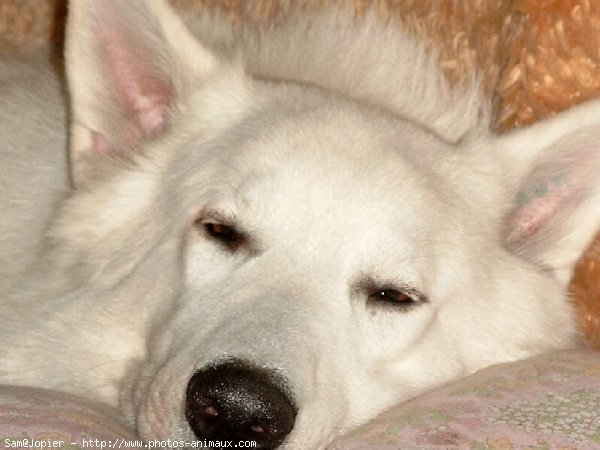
column 304, row 260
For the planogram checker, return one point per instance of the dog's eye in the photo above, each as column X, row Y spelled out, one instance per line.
column 224, row 234
column 391, row 296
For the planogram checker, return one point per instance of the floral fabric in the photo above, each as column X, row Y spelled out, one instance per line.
column 550, row 402
column 35, row 419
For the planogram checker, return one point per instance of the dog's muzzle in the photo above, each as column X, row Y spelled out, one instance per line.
column 235, row 401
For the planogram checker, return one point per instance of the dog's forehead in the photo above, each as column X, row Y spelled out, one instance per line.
column 326, row 173
column 354, row 174
column 343, row 156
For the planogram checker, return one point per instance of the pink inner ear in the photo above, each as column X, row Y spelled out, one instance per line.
column 147, row 98
column 540, row 203
column 152, row 110
column 138, row 89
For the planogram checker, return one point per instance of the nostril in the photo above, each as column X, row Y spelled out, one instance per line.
column 211, row 411
column 202, row 413
column 236, row 401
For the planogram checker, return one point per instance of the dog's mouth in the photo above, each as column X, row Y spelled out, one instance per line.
column 236, row 401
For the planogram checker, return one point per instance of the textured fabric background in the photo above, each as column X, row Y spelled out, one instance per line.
column 42, row 415
column 537, row 57
column 550, row 402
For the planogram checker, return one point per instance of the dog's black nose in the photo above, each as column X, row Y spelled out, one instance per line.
column 234, row 401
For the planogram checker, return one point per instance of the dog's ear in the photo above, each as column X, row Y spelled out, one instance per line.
column 129, row 64
column 553, row 167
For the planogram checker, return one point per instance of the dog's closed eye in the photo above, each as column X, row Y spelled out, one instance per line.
column 388, row 295
column 226, row 235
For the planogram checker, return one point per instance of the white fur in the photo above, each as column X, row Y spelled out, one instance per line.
column 344, row 155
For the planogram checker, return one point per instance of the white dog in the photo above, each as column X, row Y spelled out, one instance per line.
column 274, row 235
